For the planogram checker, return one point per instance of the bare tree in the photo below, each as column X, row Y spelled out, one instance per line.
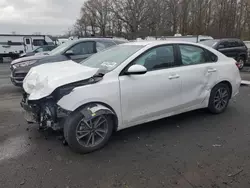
column 132, row 12
column 99, row 10
column 141, row 18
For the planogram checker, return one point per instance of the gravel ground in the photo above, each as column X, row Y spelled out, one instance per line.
column 191, row 150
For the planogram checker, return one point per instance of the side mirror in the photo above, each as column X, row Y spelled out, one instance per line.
column 69, row 53
column 136, row 69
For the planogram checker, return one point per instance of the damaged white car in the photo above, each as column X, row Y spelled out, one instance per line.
column 127, row 85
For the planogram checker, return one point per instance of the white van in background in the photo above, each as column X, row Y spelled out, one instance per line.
column 12, row 45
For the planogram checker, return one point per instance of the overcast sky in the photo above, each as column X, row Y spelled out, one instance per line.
column 44, row 16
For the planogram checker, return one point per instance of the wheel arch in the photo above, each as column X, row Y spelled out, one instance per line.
column 99, row 108
column 226, row 82
column 243, row 55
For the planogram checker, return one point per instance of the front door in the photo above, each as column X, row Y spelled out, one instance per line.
column 153, row 95
column 198, row 74
column 28, row 44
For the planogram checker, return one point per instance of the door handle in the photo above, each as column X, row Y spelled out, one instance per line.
column 175, row 76
column 211, row 70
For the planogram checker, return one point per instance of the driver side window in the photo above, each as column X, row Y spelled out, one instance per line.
column 157, row 58
column 83, row 48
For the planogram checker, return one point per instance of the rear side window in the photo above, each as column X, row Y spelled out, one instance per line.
column 192, row 55
column 211, row 57
column 233, row 44
column 224, row 44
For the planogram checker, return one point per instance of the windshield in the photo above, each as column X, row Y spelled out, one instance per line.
column 210, row 43
column 112, row 57
column 39, row 49
column 60, row 48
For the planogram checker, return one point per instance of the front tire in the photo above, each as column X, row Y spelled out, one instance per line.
column 219, row 98
column 85, row 136
column 241, row 62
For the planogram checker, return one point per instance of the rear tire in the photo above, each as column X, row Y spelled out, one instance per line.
column 219, row 98
column 79, row 132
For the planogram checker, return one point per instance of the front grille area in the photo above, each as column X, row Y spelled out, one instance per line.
column 21, row 75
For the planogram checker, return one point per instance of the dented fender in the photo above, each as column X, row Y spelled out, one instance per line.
column 94, row 109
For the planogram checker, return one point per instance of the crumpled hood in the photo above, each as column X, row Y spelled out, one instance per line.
column 29, row 58
column 42, row 80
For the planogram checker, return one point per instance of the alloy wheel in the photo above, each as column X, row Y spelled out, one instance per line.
column 92, row 132
column 221, row 99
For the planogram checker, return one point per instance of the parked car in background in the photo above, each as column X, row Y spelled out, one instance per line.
column 75, row 50
column 41, row 49
column 127, row 85
column 234, row 48
column 247, row 43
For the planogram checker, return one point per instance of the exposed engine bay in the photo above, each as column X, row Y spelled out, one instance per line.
column 46, row 112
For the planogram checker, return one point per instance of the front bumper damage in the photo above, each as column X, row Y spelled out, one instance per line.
column 45, row 110
column 47, row 114
column 18, row 74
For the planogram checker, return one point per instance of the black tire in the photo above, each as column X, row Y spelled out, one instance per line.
column 241, row 62
column 70, row 128
column 212, row 106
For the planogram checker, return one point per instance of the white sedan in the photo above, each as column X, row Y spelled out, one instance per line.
column 127, row 85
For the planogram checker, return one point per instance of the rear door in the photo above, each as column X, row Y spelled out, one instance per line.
column 198, row 74
column 82, row 50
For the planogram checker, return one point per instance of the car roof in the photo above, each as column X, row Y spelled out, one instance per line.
column 153, row 43
column 228, row 39
column 95, row 39
column 72, row 42
column 150, row 44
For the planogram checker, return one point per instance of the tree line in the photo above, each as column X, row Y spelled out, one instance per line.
column 140, row 18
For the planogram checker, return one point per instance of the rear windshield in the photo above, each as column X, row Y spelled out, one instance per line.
column 247, row 44
column 210, row 43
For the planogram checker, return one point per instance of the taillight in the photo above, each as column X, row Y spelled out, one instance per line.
column 237, row 64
